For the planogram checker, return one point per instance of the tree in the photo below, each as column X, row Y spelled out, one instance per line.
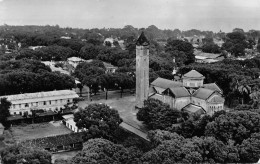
column 104, row 151
column 249, row 150
column 211, row 48
column 158, row 115
column 172, row 148
column 99, row 120
column 18, row 153
column 235, row 43
column 181, row 46
column 4, row 110
column 124, row 81
column 237, row 126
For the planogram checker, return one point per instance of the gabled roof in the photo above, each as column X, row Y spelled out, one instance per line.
column 203, row 93
column 216, row 99
column 192, row 108
column 193, row 74
column 212, row 86
column 179, row 92
column 142, row 40
column 165, row 83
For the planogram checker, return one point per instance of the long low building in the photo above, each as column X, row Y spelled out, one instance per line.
column 52, row 100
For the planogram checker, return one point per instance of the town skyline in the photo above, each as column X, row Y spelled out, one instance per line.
column 205, row 15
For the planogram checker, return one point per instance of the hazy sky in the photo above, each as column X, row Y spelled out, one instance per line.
column 165, row 14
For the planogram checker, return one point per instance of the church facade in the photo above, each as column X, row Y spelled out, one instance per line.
column 190, row 94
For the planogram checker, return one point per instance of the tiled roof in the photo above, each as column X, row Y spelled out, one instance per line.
column 193, row 74
column 165, row 83
column 192, row 108
column 212, row 86
column 180, row 92
column 54, row 141
column 203, row 93
column 44, row 96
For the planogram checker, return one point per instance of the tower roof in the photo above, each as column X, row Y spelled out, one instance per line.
column 193, row 74
column 142, row 40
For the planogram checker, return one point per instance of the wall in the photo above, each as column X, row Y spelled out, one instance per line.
column 192, row 82
column 49, row 105
column 142, row 74
column 181, row 102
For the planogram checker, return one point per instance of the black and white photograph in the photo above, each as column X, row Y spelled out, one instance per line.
column 129, row 81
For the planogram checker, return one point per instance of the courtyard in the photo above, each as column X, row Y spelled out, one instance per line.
column 32, row 131
column 125, row 107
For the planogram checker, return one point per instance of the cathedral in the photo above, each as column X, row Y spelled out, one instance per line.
column 190, row 95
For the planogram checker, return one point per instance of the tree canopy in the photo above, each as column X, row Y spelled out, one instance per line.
column 99, row 120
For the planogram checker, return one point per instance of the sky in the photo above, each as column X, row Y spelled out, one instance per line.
column 211, row 15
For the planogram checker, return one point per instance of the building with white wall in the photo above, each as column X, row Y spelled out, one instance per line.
column 52, row 100
column 74, row 61
column 191, row 95
column 70, row 123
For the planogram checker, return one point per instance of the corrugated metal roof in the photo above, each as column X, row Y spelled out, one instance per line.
column 41, row 96
column 165, row 83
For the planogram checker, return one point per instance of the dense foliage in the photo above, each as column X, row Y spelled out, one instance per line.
column 19, row 154
column 27, row 76
column 158, row 115
column 99, row 120
column 4, row 110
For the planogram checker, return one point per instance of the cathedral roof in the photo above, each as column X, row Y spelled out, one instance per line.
column 142, row 40
column 212, row 86
column 193, row 74
column 192, row 108
column 165, row 83
column 203, row 93
column 180, row 92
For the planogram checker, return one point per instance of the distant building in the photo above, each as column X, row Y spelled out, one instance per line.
column 35, row 47
column 110, row 68
column 190, row 95
column 65, row 37
column 74, row 61
column 52, row 100
column 202, row 57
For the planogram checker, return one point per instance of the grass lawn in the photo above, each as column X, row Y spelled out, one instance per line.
column 32, row 131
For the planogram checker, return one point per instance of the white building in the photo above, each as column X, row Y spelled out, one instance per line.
column 74, row 61
column 69, row 122
column 52, row 100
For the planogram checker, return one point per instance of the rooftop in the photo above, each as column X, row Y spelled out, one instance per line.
column 40, row 95
column 192, row 108
column 180, row 92
column 212, row 86
column 165, row 83
column 75, row 59
column 203, row 93
column 193, row 74
column 142, row 40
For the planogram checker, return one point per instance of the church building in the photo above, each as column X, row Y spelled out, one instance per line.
column 190, row 95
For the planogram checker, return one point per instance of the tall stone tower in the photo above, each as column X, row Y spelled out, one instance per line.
column 142, row 70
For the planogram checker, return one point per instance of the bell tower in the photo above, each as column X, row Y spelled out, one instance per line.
column 142, row 70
